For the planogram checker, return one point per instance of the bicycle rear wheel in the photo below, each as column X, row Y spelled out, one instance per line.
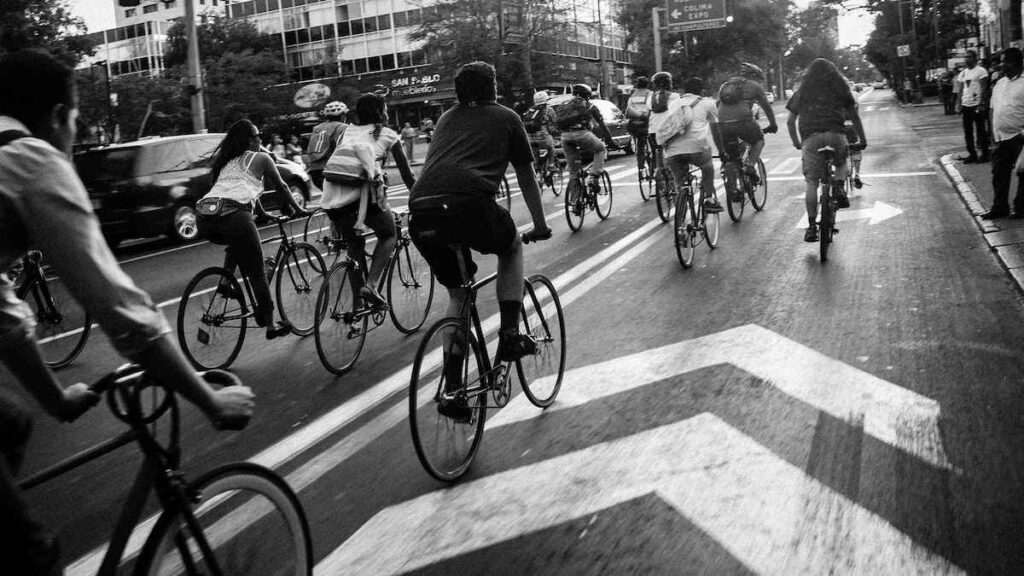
column 603, row 200
column 685, row 231
column 575, row 203
column 300, row 274
column 448, row 362
column 339, row 333
column 645, row 178
column 555, row 179
column 733, row 192
column 540, row 374
column 711, row 227
column 212, row 318
column 826, row 226
column 410, row 288
column 318, row 231
column 759, row 193
column 664, row 196
column 62, row 325
column 246, row 515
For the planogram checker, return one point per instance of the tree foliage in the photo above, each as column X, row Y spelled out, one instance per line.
column 218, row 35
column 46, row 24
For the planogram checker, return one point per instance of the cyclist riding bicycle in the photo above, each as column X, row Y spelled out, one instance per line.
column 856, row 155
column 691, row 147
column 539, row 121
column 575, row 119
column 44, row 205
column 821, row 105
column 638, row 111
column 325, row 137
column 453, row 203
column 659, row 100
column 344, row 201
column 736, row 99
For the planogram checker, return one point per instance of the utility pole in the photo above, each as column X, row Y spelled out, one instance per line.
column 600, row 53
column 195, row 74
column 657, row 38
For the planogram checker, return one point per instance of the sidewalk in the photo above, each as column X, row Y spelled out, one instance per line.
column 943, row 136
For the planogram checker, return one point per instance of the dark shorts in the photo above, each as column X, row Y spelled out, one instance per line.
column 748, row 131
column 343, row 219
column 475, row 222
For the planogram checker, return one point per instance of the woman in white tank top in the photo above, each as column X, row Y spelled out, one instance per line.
column 226, row 212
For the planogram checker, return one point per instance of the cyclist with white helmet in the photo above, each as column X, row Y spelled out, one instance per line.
column 736, row 98
column 326, row 136
column 539, row 121
column 574, row 119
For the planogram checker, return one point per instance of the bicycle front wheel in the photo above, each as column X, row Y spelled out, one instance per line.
column 241, row 518
column 685, row 231
column 603, row 201
column 664, row 196
column 540, row 374
column 448, row 370
column 410, row 288
column 340, row 332
column 62, row 326
column 575, row 204
column 759, row 193
column 318, row 231
column 300, row 274
column 734, row 192
column 212, row 318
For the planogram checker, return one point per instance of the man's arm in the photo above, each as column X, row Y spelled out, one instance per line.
column 791, row 125
column 858, row 126
column 765, row 105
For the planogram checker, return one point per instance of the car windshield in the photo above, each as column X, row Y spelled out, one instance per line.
column 107, row 165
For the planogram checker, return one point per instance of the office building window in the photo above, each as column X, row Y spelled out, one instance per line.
column 387, row 61
column 171, row 5
column 149, row 9
column 129, row 13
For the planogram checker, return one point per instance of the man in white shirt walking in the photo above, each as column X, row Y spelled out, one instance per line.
column 972, row 85
column 1008, row 132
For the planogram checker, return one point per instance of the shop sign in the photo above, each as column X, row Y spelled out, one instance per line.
column 415, row 85
column 311, row 96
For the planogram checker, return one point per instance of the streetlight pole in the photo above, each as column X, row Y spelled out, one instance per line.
column 656, row 21
column 195, row 78
column 600, row 52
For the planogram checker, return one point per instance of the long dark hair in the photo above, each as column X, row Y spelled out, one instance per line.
column 235, row 143
column 370, row 109
column 823, row 82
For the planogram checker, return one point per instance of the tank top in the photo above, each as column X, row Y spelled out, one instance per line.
column 236, row 182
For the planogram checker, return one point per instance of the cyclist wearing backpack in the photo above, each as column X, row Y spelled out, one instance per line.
column 539, row 120
column 574, row 119
column 659, row 100
column 638, row 111
column 736, row 99
column 690, row 146
column 325, row 137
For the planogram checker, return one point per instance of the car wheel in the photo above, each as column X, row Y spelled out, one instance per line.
column 299, row 192
column 185, row 226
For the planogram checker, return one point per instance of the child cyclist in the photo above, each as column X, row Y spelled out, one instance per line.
column 855, row 153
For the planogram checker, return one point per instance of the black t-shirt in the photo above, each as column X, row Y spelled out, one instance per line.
column 820, row 111
column 472, row 147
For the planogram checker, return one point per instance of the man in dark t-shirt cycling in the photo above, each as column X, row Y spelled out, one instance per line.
column 453, row 203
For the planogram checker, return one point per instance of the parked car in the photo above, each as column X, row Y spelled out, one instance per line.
column 614, row 119
column 878, row 85
column 149, row 187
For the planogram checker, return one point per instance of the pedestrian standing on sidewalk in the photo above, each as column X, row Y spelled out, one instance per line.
column 1008, row 132
column 973, row 106
column 946, row 94
column 408, row 137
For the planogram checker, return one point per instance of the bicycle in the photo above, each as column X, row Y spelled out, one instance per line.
column 664, row 186
column 579, row 197
column 342, row 318
column 238, row 518
column 738, row 184
column 692, row 219
column 214, row 313
column 62, row 325
column 317, row 231
column 548, row 171
column 452, row 363
column 646, row 171
column 826, row 199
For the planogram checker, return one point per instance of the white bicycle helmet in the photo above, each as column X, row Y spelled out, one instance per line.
column 336, row 108
column 540, row 97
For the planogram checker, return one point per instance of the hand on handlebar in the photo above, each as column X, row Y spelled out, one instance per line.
column 771, row 129
column 537, row 234
column 234, row 401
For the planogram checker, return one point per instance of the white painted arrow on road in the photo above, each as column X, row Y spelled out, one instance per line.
column 896, row 416
column 880, row 212
column 768, row 514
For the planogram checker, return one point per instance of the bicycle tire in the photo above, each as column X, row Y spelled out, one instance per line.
column 575, row 207
column 645, row 175
column 540, row 374
column 460, row 441
column 603, row 202
column 684, row 231
column 759, row 193
column 733, row 194
column 217, row 317
column 62, row 325
column 339, row 336
column 300, row 273
column 825, row 228
column 553, row 180
column 711, row 226
column 664, row 196
column 239, row 501
column 410, row 288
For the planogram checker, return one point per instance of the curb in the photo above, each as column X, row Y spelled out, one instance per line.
column 1006, row 245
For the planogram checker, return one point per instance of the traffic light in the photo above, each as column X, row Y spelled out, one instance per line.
column 129, row 3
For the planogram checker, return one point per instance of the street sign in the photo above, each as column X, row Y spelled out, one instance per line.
column 695, row 14
column 903, row 50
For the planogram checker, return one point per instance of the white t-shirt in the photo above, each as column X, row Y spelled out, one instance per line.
column 697, row 136
column 656, row 118
column 970, row 83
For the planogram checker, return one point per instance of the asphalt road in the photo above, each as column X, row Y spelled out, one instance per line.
column 761, row 412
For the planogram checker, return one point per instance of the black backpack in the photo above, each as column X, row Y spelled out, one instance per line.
column 533, row 120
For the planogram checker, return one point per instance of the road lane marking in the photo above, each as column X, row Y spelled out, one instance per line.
column 880, row 212
column 898, row 417
column 863, row 176
column 786, row 166
column 769, row 515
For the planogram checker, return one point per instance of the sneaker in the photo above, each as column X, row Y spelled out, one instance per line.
column 372, row 297
column 857, row 183
column 513, row 346
column 281, row 329
column 455, row 408
column 751, row 173
column 711, row 206
column 842, row 200
column 811, row 234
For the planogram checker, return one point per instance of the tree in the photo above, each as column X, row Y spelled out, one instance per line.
column 234, row 84
column 158, row 100
column 218, row 36
column 815, row 28
column 46, row 24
